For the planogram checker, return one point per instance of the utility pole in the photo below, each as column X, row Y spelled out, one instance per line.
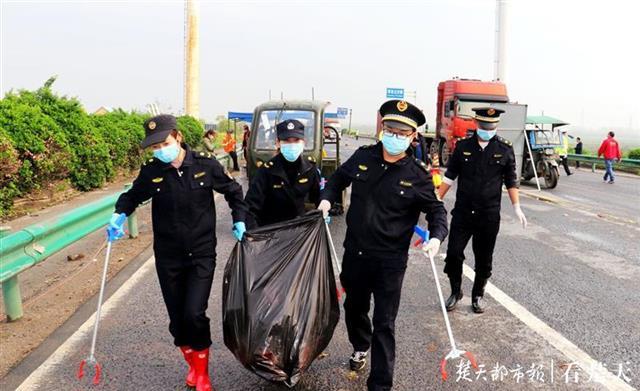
column 313, row 95
column 192, row 59
column 350, row 112
column 499, row 62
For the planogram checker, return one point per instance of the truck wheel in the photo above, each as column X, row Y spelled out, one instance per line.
column 551, row 179
column 434, row 148
column 445, row 154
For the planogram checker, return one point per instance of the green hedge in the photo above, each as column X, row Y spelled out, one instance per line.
column 45, row 137
column 634, row 154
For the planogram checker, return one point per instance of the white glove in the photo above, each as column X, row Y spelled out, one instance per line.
column 520, row 215
column 431, row 247
column 324, row 206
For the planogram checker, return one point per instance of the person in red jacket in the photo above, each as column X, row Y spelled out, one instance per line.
column 611, row 152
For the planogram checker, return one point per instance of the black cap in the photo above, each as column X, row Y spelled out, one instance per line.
column 290, row 128
column 403, row 112
column 487, row 114
column 157, row 129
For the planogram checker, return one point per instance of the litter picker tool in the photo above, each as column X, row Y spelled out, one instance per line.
column 339, row 289
column 454, row 352
column 91, row 360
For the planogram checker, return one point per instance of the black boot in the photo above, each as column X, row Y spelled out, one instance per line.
column 477, row 294
column 456, row 294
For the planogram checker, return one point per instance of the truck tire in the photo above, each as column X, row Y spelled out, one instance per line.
column 434, row 148
column 445, row 154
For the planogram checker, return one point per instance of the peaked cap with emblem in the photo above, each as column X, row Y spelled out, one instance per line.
column 290, row 128
column 403, row 112
column 158, row 128
column 487, row 114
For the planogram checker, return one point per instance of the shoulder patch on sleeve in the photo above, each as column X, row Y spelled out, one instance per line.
column 148, row 161
column 311, row 159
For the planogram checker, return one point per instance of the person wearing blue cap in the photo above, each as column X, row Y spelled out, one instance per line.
column 282, row 185
column 180, row 183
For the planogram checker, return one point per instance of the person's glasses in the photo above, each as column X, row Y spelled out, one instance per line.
column 398, row 133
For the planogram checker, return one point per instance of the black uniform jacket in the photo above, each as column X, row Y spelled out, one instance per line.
column 183, row 209
column 481, row 174
column 272, row 198
column 386, row 201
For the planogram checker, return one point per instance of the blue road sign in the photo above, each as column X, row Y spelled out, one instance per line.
column 343, row 112
column 395, row 93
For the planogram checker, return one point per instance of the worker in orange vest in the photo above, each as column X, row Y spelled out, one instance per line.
column 229, row 144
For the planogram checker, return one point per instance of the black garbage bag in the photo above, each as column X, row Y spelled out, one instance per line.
column 279, row 299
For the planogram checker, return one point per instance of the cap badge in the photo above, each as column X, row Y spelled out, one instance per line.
column 290, row 126
column 152, row 125
column 402, row 106
column 491, row 112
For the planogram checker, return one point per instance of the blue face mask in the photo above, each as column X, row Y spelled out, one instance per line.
column 291, row 151
column 167, row 154
column 485, row 135
column 393, row 145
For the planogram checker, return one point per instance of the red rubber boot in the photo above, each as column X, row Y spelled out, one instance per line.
column 201, row 365
column 187, row 352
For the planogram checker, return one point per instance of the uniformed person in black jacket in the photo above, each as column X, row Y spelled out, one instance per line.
column 481, row 164
column 180, row 183
column 389, row 190
column 282, row 185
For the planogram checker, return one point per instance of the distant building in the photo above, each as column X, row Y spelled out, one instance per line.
column 102, row 110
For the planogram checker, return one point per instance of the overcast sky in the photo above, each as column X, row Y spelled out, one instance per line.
column 579, row 61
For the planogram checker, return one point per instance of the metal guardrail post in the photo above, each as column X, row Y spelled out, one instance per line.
column 11, row 290
column 132, row 220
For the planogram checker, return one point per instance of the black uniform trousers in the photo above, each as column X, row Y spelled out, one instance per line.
column 186, row 284
column 361, row 277
column 483, row 231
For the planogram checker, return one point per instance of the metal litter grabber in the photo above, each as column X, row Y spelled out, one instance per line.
column 339, row 289
column 454, row 352
column 91, row 360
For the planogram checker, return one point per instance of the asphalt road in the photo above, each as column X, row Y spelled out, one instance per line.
column 575, row 271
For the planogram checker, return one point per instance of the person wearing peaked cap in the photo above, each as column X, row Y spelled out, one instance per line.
column 389, row 190
column 282, row 185
column 180, row 183
column 481, row 164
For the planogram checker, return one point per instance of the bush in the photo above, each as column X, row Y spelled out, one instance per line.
column 191, row 129
column 92, row 165
column 45, row 137
column 123, row 134
column 634, row 153
column 37, row 140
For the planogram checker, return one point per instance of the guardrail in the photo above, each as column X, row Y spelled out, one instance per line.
column 594, row 160
column 25, row 248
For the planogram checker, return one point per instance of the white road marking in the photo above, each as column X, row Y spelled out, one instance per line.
column 566, row 347
column 81, row 335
